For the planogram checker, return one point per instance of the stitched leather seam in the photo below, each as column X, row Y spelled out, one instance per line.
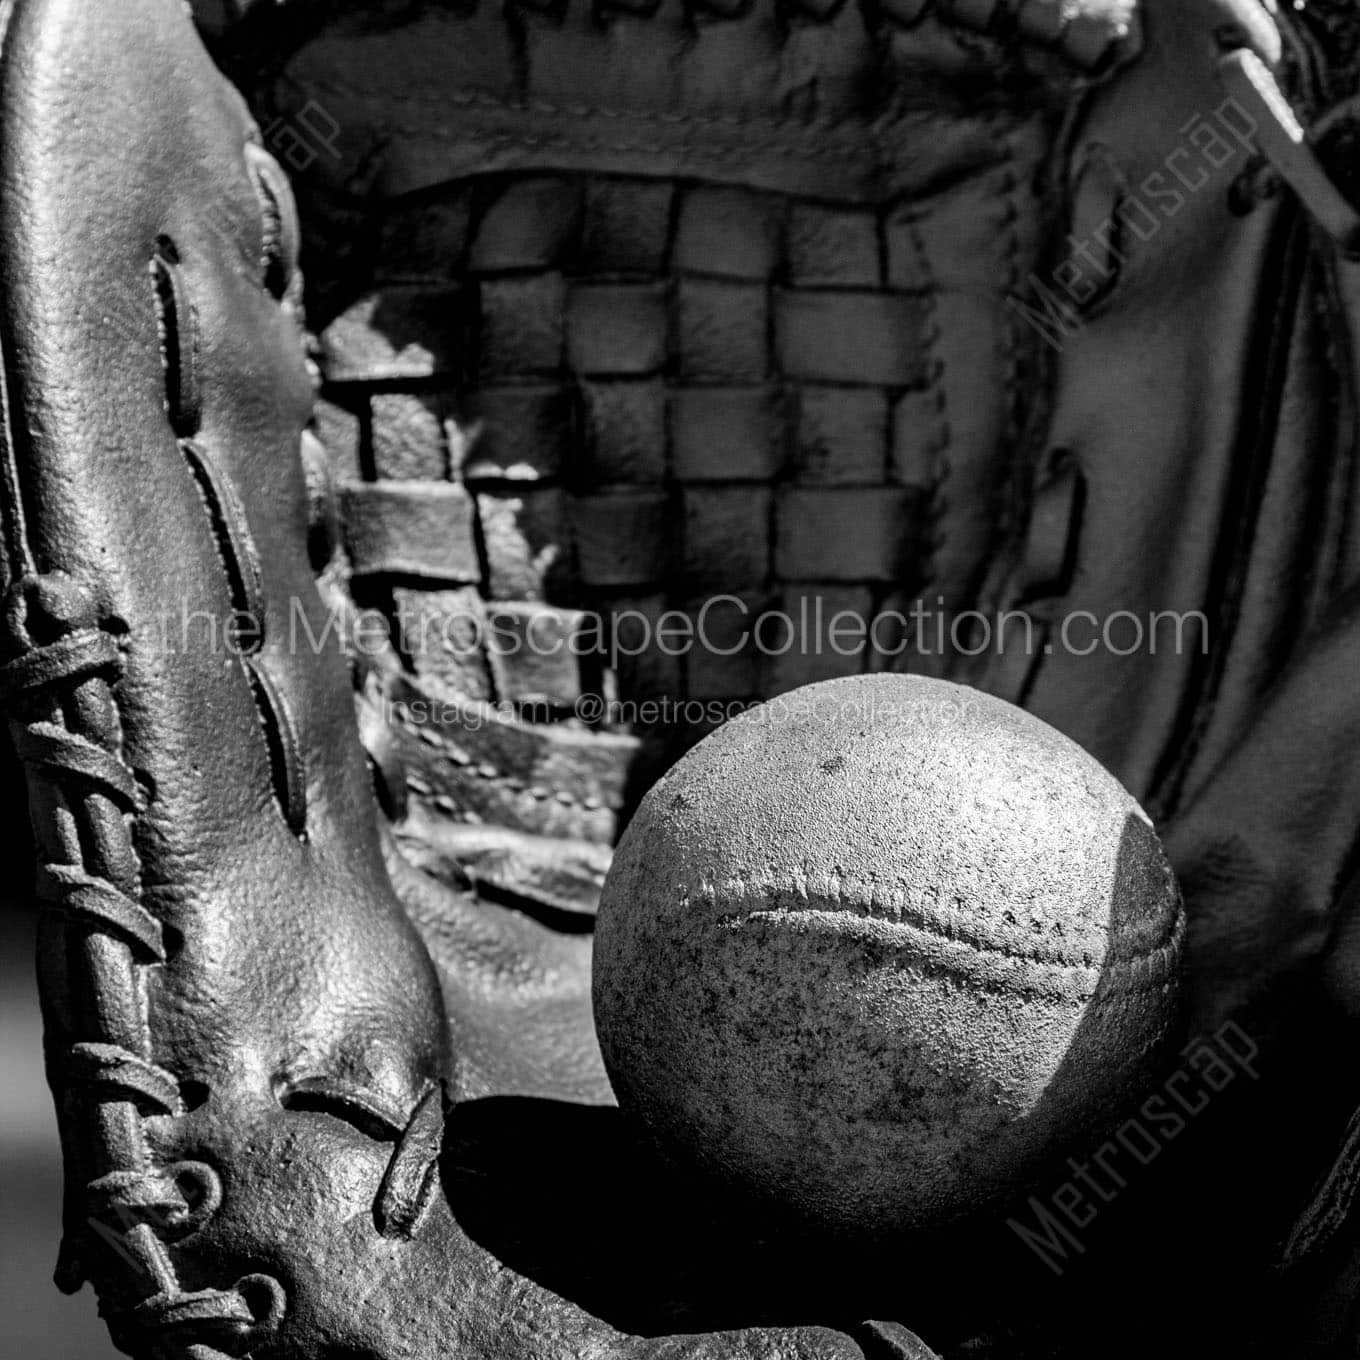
column 883, row 162
column 865, row 900
column 1001, row 26
column 817, row 132
column 937, row 492
column 1141, row 976
column 743, row 151
column 68, row 732
column 131, row 1204
column 1014, row 514
column 885, row 135
column 484, row 770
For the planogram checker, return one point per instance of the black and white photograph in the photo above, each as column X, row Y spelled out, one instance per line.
column 680, row 679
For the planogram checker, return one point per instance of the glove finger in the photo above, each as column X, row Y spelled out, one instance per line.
column 1265, row 847
column 229, row 940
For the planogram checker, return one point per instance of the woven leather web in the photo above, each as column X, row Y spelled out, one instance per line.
column 569, row 396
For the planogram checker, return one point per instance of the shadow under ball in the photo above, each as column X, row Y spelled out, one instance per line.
column 878, row 949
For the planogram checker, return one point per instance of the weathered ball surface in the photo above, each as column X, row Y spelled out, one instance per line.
column 876, row 950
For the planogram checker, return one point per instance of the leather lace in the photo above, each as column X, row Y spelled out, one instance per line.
column 58, row 689
column 70, row 742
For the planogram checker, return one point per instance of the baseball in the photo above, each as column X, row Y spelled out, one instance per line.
column 880, row 948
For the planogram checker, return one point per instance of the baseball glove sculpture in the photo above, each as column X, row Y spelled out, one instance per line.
column 1041, row 309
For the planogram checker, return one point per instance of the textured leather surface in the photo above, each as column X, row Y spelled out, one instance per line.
column 1190, row 448
column 830, row 99
column 247, row 1037
column 1017, row 478
column 254, row 1041
column 1133, row 467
